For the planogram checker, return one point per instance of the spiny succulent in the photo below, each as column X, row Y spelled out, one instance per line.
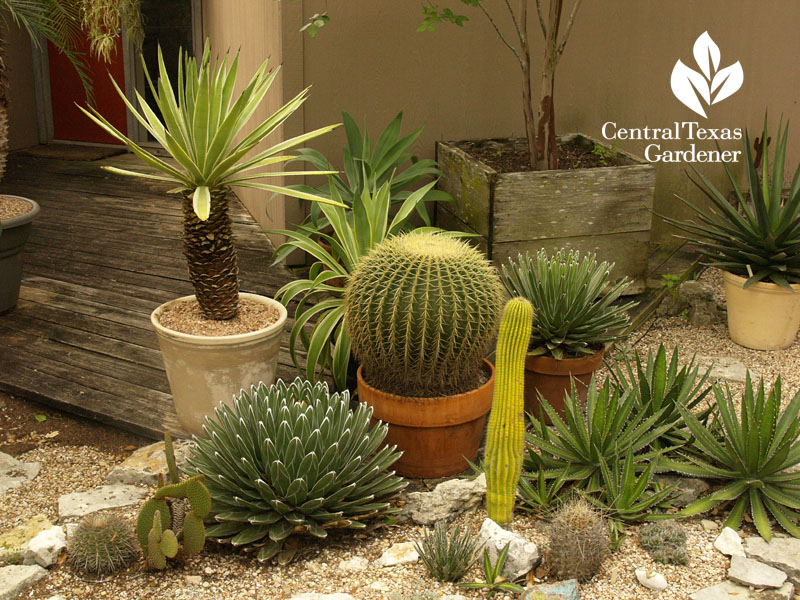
column 421, row 310
column 447, row 554
column 293, row 459
column 102, row 544
column 665, row 542
column 578, row 541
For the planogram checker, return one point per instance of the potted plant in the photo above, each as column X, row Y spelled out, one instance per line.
column 505, row 189
column 575, row 320
column 219, row 340
column 421, row 310
column 16, row 221
column 757, row 246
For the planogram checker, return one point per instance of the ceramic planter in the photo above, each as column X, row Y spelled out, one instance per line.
column 605, row 210
column 437, row 435
column 765, row 316
column 552, row 379
column 13, row 236
column 204, row 371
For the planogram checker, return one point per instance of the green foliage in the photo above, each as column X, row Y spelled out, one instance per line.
column 104, row 20
column 316, row 22
column 665, row 542
column 493, row 573
column 749, row 455
column 672, row 282
column 537, row 495
column 447, row 554
column 202, row 127
column 572, row 300
column 603, row 154
column 505, row 438
column 421, row 310
column 660, row 387
column 759, row 238
column 578, row 541
column 609, row 428
column 102, row 544
column 293, row 458
column 354, row 232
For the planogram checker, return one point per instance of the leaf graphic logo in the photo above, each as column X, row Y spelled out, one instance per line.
column 713, row 84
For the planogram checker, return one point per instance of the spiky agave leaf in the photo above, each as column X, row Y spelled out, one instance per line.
column 447, row 553
column 750, row 455
column 292, row 459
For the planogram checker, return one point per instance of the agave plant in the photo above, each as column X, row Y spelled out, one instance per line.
column 751, row 456
column 660, row 387
column 354, row 232
column 759, row 239
column 292, row 459
column 202, row 129
column 367, row 167
column 610, row 428
column 572, row 301
column 536, row 494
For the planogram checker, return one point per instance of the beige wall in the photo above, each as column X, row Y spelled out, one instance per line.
column 462, row 83
column 23, row 128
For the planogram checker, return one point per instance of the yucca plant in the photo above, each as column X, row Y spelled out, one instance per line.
column 759, row 239
column 353, row 233
column 447, row 553
column 750, row 455
column 292, row 459
column 608, row 428
column 572, row 300
column 367, row 167
column 660, row 386
column 202, row 129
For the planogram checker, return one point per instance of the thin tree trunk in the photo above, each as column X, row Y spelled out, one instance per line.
column 546, row 148
column 527, row 97
column 3, row 108
column 209, row 250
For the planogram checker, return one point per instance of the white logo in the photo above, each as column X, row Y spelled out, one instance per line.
column 687, row 83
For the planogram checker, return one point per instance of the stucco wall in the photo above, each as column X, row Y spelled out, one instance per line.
column 462, row 83
column 23, row 128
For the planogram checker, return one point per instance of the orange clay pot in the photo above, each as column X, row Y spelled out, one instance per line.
column 437, row 435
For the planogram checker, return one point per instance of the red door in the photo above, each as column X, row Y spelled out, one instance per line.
column 69, row 123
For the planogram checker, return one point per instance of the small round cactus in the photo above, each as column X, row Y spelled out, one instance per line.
column 665, row 542
column 578, row 541
column 421, row 310
column 102, row 544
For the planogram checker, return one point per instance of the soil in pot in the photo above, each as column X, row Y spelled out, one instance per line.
column 186, row 317
column 12, row 206
column 437, row 435
column 553, row 379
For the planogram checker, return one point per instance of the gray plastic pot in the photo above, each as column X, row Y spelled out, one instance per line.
column 13, row 236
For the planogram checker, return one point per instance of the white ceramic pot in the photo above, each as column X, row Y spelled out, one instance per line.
column 765, row 316
column 204, row 371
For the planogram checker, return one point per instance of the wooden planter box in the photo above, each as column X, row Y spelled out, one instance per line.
column 604, row 210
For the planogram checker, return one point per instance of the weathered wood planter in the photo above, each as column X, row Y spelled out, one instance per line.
column 604, row 210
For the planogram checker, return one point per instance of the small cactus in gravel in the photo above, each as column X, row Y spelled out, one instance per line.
column 665, row 542
column 578, row 541
column 102, row 544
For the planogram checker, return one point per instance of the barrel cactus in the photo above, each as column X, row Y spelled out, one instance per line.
column 421, row 310
column 292, row 459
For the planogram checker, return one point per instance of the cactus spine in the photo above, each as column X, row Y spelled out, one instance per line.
column 505, row 438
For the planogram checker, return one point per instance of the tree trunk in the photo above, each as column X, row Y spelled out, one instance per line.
column 213, row 270
column 546, row 148
column 527, row 97
column 3, row 108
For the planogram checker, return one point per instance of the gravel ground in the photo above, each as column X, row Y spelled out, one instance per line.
column 219, row 573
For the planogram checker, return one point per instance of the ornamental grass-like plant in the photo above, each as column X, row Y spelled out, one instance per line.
column 493, row 574
column 201, row 125
column 572, row 300
column 759, row 239
column 290, row 460
column 750, row 455
column 447, row 553
column 660, row 387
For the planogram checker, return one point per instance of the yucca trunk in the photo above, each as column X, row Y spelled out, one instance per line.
column 213, row 269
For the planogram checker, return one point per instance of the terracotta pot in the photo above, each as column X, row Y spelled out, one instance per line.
column 765, row 316
column 204, row 371
column 437, row 435
column 13, row 236
column 551, row 378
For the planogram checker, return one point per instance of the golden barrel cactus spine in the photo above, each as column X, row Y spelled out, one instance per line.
column 505, row 439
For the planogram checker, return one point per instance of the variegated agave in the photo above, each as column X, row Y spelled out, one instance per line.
column 292, row 459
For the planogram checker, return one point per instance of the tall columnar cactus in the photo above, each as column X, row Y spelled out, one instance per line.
column 505, row 440
column 421, row 310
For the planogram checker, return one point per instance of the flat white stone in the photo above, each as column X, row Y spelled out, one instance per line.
column 399, row 554
column 708, row 525
column 651, row 579
column 14, row 473
column 781, row 553
column 750, row 572
column 448, row 499
column 523, row 555
column 17, row 578
column 143, row 465
column 729, row 543
column 78, row 504
column 358, row 563
column 14, row 542
column 46, row 547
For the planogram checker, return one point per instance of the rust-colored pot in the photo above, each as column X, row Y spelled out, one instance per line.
column 551, row 378
column 437, row 435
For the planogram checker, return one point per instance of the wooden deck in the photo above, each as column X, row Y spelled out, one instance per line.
column 105, row 251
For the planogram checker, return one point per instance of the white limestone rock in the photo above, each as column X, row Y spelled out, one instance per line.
column 46, row 547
